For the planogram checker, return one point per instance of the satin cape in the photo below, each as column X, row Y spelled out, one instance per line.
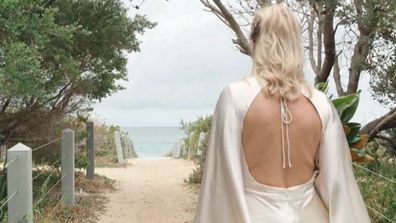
column 222, row 196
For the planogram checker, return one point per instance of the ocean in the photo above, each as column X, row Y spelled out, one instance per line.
column 152, row 142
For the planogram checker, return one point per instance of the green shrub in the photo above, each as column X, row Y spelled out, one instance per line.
column 378, row 192
column 192, row 131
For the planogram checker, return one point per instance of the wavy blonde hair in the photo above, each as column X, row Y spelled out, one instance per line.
column 278, row 56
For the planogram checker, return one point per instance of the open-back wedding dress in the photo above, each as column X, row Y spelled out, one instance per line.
column 230, row 194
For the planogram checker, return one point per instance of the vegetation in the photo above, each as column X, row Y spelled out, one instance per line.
column 346, row 107
column 57, row 58
column 105, row 154
column 90, row 200
column 192, row 131
column 379, row 192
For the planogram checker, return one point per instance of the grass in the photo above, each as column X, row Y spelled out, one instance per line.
column 90, row 199
column 107, row 158
column 378, row 193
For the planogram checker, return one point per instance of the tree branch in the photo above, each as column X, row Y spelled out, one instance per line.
column 337, row 77
column 319, row 36
column 360, row 52
column 220, row 10
column 312, row 61
column 329, row 43
column 386, row 121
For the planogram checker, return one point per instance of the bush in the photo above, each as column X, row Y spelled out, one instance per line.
column 192, row 131
column 378, row 192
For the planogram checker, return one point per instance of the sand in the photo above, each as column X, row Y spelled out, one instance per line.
column 150, row 190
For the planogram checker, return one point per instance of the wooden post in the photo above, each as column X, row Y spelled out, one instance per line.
column 90, row 150
column 129, row 145
column 67, row 167
column 117, row 140
column 200, row 143
column 19, row 184
column 124, row 146
column 190, row 148
column 133, row 151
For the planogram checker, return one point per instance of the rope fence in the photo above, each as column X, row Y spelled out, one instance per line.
column 8, row 199
column 57, row 204
column 52, row 164
column 11, row 161
column 20, row 203
column 78, row 161
column 375, row 173
column 47, row 144
column 20, row 177
column 379, row 214
column 48, row 191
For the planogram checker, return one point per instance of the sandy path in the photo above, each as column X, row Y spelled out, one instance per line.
column 150, row 190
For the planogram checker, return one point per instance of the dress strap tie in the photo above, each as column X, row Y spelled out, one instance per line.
column 286, row 119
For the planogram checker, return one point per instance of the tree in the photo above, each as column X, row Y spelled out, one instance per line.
column 58, row 57
column 366, row 43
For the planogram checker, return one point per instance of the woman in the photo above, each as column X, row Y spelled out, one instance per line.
column 277, row 151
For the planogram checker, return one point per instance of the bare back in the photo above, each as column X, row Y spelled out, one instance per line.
column 261, row 140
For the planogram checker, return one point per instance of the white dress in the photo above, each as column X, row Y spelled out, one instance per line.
column 230, row 194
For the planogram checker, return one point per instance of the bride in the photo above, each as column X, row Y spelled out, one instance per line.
column 277, row 151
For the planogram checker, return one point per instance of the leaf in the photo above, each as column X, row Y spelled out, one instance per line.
column 346, row 106
column 361, row 143
column 353, row 139
column 365, row 159
column 347, row 130
column 354, row 155
column 357, row 153
column 353, row 135
column 322, row 86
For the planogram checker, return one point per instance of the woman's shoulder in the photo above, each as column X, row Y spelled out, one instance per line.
column 236, row 92
column 322, row 104
column 241, row 85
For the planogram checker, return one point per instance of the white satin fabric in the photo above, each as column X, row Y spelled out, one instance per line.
column 299, row 203
column 229, row 194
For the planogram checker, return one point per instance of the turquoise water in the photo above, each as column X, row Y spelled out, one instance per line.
column 153, row 141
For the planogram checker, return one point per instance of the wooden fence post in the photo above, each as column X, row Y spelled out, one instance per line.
column 67, row 167
column 201, row 140
column 124, row 146
column 90, row 150
column 190, row 148
column 133, row 151
column 19, row 184
column 117, row 140
column 129, row 147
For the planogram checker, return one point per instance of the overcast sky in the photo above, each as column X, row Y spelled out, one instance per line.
column 184, row 63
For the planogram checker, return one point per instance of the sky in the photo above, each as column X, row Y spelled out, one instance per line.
column 183, row 65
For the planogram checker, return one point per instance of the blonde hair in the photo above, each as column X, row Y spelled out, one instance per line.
column 278, row 55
